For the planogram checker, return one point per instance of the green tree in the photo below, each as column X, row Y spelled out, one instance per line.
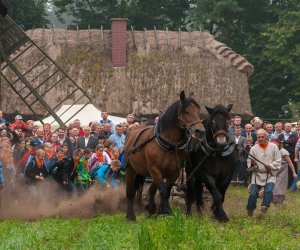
column 265, row 32
column 275, row 87
column 141, row 13
column 29, row 13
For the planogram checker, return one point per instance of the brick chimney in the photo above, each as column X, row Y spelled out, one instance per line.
column 118, row 42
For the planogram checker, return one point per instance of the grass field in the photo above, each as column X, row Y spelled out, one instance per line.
column 280, row 230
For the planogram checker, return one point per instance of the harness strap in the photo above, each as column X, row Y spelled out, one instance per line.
column 167, row 145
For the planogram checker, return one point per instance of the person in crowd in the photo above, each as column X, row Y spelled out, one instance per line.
column 47, row 131
column 1, row 177
column 130, row 119
column 278, row 130
column 73, row 141
column 66, row 150
column 36, row 170
column 237, row 122
column 99, row 129
column 63, row 139
column 75, row 132
column 87, row 141
column 118, row 137
column 239, row 175
column 105, row 120
column 115, row 153
column 82, row 178
column 100, row 157
column 101, row 139
column 257, row 123
column 144, row 122
column 9, row 171
column 35, row 129
column 19, row 151
column 106, row 131
column 50, row 157
column 39, row 137
column 293, row 187
column 297, row 132
column 93, row 125
column 56, row 170
column 108, row 175
column 19, row 122
column 87, row 154
column 124, row 129
column 77, row 124
column 30, row 128
column 288, row 139
column 108, row 146
column 264, row 161
column 54, row 141
column 269, row 129
column 264, row 125
column 69, row 173
column 2, row 119
column 250, row 135
column 280, row 188
column 27, row 157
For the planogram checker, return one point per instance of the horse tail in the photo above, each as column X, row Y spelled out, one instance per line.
column 138, row 187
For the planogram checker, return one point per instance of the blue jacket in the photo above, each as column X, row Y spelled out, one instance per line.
column 1, row 176
column 104, row 173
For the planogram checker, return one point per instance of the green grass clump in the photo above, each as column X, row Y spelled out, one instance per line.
column 279, row 230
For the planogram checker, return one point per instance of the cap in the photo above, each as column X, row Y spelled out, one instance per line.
column 18, row 117
column 33, row 144
column 144, row 120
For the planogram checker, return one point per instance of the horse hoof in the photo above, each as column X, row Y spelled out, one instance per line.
column 151, row 209
column 130, row 217
column 223, row 218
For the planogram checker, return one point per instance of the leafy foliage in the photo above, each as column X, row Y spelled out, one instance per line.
column 266, row 33
column 141, row 14
column 28, row 13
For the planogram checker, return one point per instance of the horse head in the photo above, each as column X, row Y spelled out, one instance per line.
column 216, row 125
column 189, row 115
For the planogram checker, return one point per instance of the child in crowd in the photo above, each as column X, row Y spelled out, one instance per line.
column 108, row 175
column 100, row 157
column 1, row 176
column 82, row 178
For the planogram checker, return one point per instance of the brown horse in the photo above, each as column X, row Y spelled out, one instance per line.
column 159, row 152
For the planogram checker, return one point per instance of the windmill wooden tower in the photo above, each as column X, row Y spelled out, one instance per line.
column 33, row 82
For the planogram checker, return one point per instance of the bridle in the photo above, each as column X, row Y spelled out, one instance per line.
column 188, row 126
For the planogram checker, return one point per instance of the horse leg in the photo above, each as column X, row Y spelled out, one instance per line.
column 151, row 207
column 164, row 190
column 199, row 195
column 189, row 196
column 130, row 192
column 217, row 206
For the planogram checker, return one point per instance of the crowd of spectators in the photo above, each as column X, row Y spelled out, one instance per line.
column 283, row 176
column 75, row 158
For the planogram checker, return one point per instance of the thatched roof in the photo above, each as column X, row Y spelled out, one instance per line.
column 191, row 42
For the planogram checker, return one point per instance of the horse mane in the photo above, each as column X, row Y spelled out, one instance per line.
column 220, row 109
column 169, row 119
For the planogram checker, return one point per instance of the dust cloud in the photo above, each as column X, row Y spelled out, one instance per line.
column 48, row 200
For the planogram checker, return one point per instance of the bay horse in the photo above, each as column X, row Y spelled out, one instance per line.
column 159, row 152
column 211, row 162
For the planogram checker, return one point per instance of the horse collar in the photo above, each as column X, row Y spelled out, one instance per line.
column 167, row 145
column 207, row 149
